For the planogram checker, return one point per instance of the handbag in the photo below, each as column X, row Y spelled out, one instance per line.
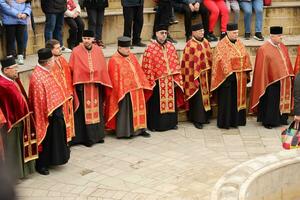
column 290, row 137
column 267, row 2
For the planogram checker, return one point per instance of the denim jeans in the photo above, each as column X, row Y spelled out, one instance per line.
column 53, row 27
column 247, row 7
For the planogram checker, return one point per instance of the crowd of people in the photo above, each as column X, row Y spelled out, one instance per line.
column 17, row 17
column 78, row 101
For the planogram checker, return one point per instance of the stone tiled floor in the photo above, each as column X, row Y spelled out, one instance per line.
column 179, row 164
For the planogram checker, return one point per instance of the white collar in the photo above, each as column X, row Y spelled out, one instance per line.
column 1, row 74
column 269, row 40
column 45, row 69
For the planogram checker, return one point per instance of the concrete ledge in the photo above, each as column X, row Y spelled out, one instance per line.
column 265, row 177
column 289, row 4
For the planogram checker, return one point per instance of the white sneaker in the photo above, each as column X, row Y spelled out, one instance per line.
column 65, row 50
column 20, row 60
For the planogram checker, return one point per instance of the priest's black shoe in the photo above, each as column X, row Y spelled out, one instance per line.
column 101, row 141
column 175, row 127
column 198, row 125
column 145, row 134
column 268, row 126
column 88, row 144
column 43, row 171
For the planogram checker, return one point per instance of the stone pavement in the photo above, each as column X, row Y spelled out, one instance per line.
column 181, row 164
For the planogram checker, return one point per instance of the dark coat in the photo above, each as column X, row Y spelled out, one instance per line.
column 297, row 95
column 130, row 3
column 95, row 3
column 54, row 6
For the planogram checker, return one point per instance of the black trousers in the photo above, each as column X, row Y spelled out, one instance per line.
column 75, row 32
column 14, row 33
column 133, row 22
column 95, row 21
column 185, row 9
column 163, row 14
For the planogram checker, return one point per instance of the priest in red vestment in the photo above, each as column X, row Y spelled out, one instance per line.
column 91, row 81
column 230, row 73
column 161, row 66
column 61, row 72
column 19, row 137
column 271, row 92
column 195, row 67
column 46, row 98
column 126, row 104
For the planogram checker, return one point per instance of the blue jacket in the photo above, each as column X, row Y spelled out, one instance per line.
column 10, row 11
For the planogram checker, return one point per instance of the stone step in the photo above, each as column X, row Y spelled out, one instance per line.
column 280, row 13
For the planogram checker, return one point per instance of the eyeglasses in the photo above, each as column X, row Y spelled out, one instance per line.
column 163, row 32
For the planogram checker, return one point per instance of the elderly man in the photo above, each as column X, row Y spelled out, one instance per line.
column 126, row 105
column 271, row 92
column 19, row 138
column 162, row 69
column 46, row 98
column 195, row 67
column 90, row 81
column 230, row 74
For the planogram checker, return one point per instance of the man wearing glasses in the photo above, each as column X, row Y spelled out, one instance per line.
column 19, row 138
column 161, row 66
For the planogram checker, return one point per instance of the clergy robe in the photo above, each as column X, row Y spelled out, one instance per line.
column 91, row 81
column 19, row 136
column 271, row 90
column 297, row 62
column 230, row 74
column 46, row 98
column 195, row 67
column 62, row 74
column 126, row 104
column 161, row 66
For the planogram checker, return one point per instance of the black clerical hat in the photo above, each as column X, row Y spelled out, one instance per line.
column 161, row 27
column 232, row 27
column 275, row 30
column 197, row 27
column 124, row 41
column 8, row 62
column 88, row 33
column 44, row 54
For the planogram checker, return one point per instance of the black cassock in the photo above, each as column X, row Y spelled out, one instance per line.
column 196, row 111
column 268, row 107
column 124, row 119
column 55, row 149
column 228, row 115
column 88, row 134
column 155, row 120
